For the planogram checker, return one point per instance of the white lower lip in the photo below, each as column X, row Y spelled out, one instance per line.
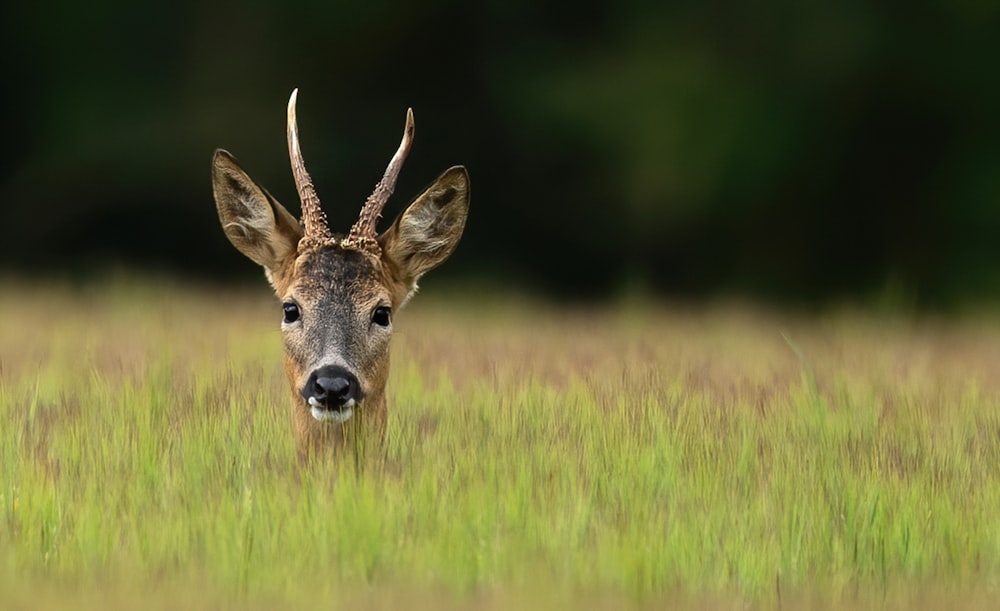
column 320, row 413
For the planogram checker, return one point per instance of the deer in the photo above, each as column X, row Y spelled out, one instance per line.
column 339, row 293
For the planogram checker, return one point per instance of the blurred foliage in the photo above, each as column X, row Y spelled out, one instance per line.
column 782, row 149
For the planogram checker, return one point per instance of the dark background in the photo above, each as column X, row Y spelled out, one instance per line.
column 779, row 149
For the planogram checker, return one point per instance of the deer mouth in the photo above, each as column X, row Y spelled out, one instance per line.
column 332, row 393
column 325, row 413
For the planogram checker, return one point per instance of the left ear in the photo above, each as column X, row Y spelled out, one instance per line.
column 426, row 234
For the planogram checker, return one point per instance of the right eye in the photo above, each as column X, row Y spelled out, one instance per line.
column 291, row 312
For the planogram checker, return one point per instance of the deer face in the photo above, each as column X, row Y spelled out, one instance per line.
column 336, row 328
column 339, row 293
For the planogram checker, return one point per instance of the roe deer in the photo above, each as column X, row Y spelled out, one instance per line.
column 339, row 293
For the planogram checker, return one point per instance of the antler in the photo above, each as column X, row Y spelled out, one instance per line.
column 362, row 234
column 312, row 215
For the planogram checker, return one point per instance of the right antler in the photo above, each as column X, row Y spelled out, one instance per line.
column 362, row 234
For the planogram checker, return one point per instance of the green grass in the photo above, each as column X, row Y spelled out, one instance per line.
column 598, row 457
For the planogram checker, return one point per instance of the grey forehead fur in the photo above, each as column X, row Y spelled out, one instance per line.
column 332, row 266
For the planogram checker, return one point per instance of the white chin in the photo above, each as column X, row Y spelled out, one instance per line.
column 320, row 413
column 325, row 415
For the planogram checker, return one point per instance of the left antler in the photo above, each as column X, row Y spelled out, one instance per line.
column 313, row 217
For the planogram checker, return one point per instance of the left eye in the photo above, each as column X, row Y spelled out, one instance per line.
column 381, row 316
column 291, row 312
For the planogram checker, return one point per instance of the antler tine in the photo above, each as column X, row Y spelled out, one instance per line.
column 363, row 231
column 312, row 215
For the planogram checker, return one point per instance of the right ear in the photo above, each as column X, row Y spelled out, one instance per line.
column 256, row 224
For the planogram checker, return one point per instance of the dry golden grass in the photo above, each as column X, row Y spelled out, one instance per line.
column 637, row 453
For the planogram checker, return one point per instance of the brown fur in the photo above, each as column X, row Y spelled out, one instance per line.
column 337, row 288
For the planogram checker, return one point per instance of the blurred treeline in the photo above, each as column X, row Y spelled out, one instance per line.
column 782, row 149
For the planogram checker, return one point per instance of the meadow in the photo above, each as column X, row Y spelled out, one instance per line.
column 625, row 455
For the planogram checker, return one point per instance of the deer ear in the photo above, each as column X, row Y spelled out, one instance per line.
column 426, row 234
column 256, row 224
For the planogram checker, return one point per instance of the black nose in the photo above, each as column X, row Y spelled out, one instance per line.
column 333, row 387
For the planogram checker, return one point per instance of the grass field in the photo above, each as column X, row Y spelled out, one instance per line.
column 632, row 455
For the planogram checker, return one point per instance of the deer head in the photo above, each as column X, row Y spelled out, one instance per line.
column 339, row 293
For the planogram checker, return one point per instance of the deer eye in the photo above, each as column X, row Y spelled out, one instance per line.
column 291, row 312
column 381, row 316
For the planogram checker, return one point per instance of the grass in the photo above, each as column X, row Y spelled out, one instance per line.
column 629, row 455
